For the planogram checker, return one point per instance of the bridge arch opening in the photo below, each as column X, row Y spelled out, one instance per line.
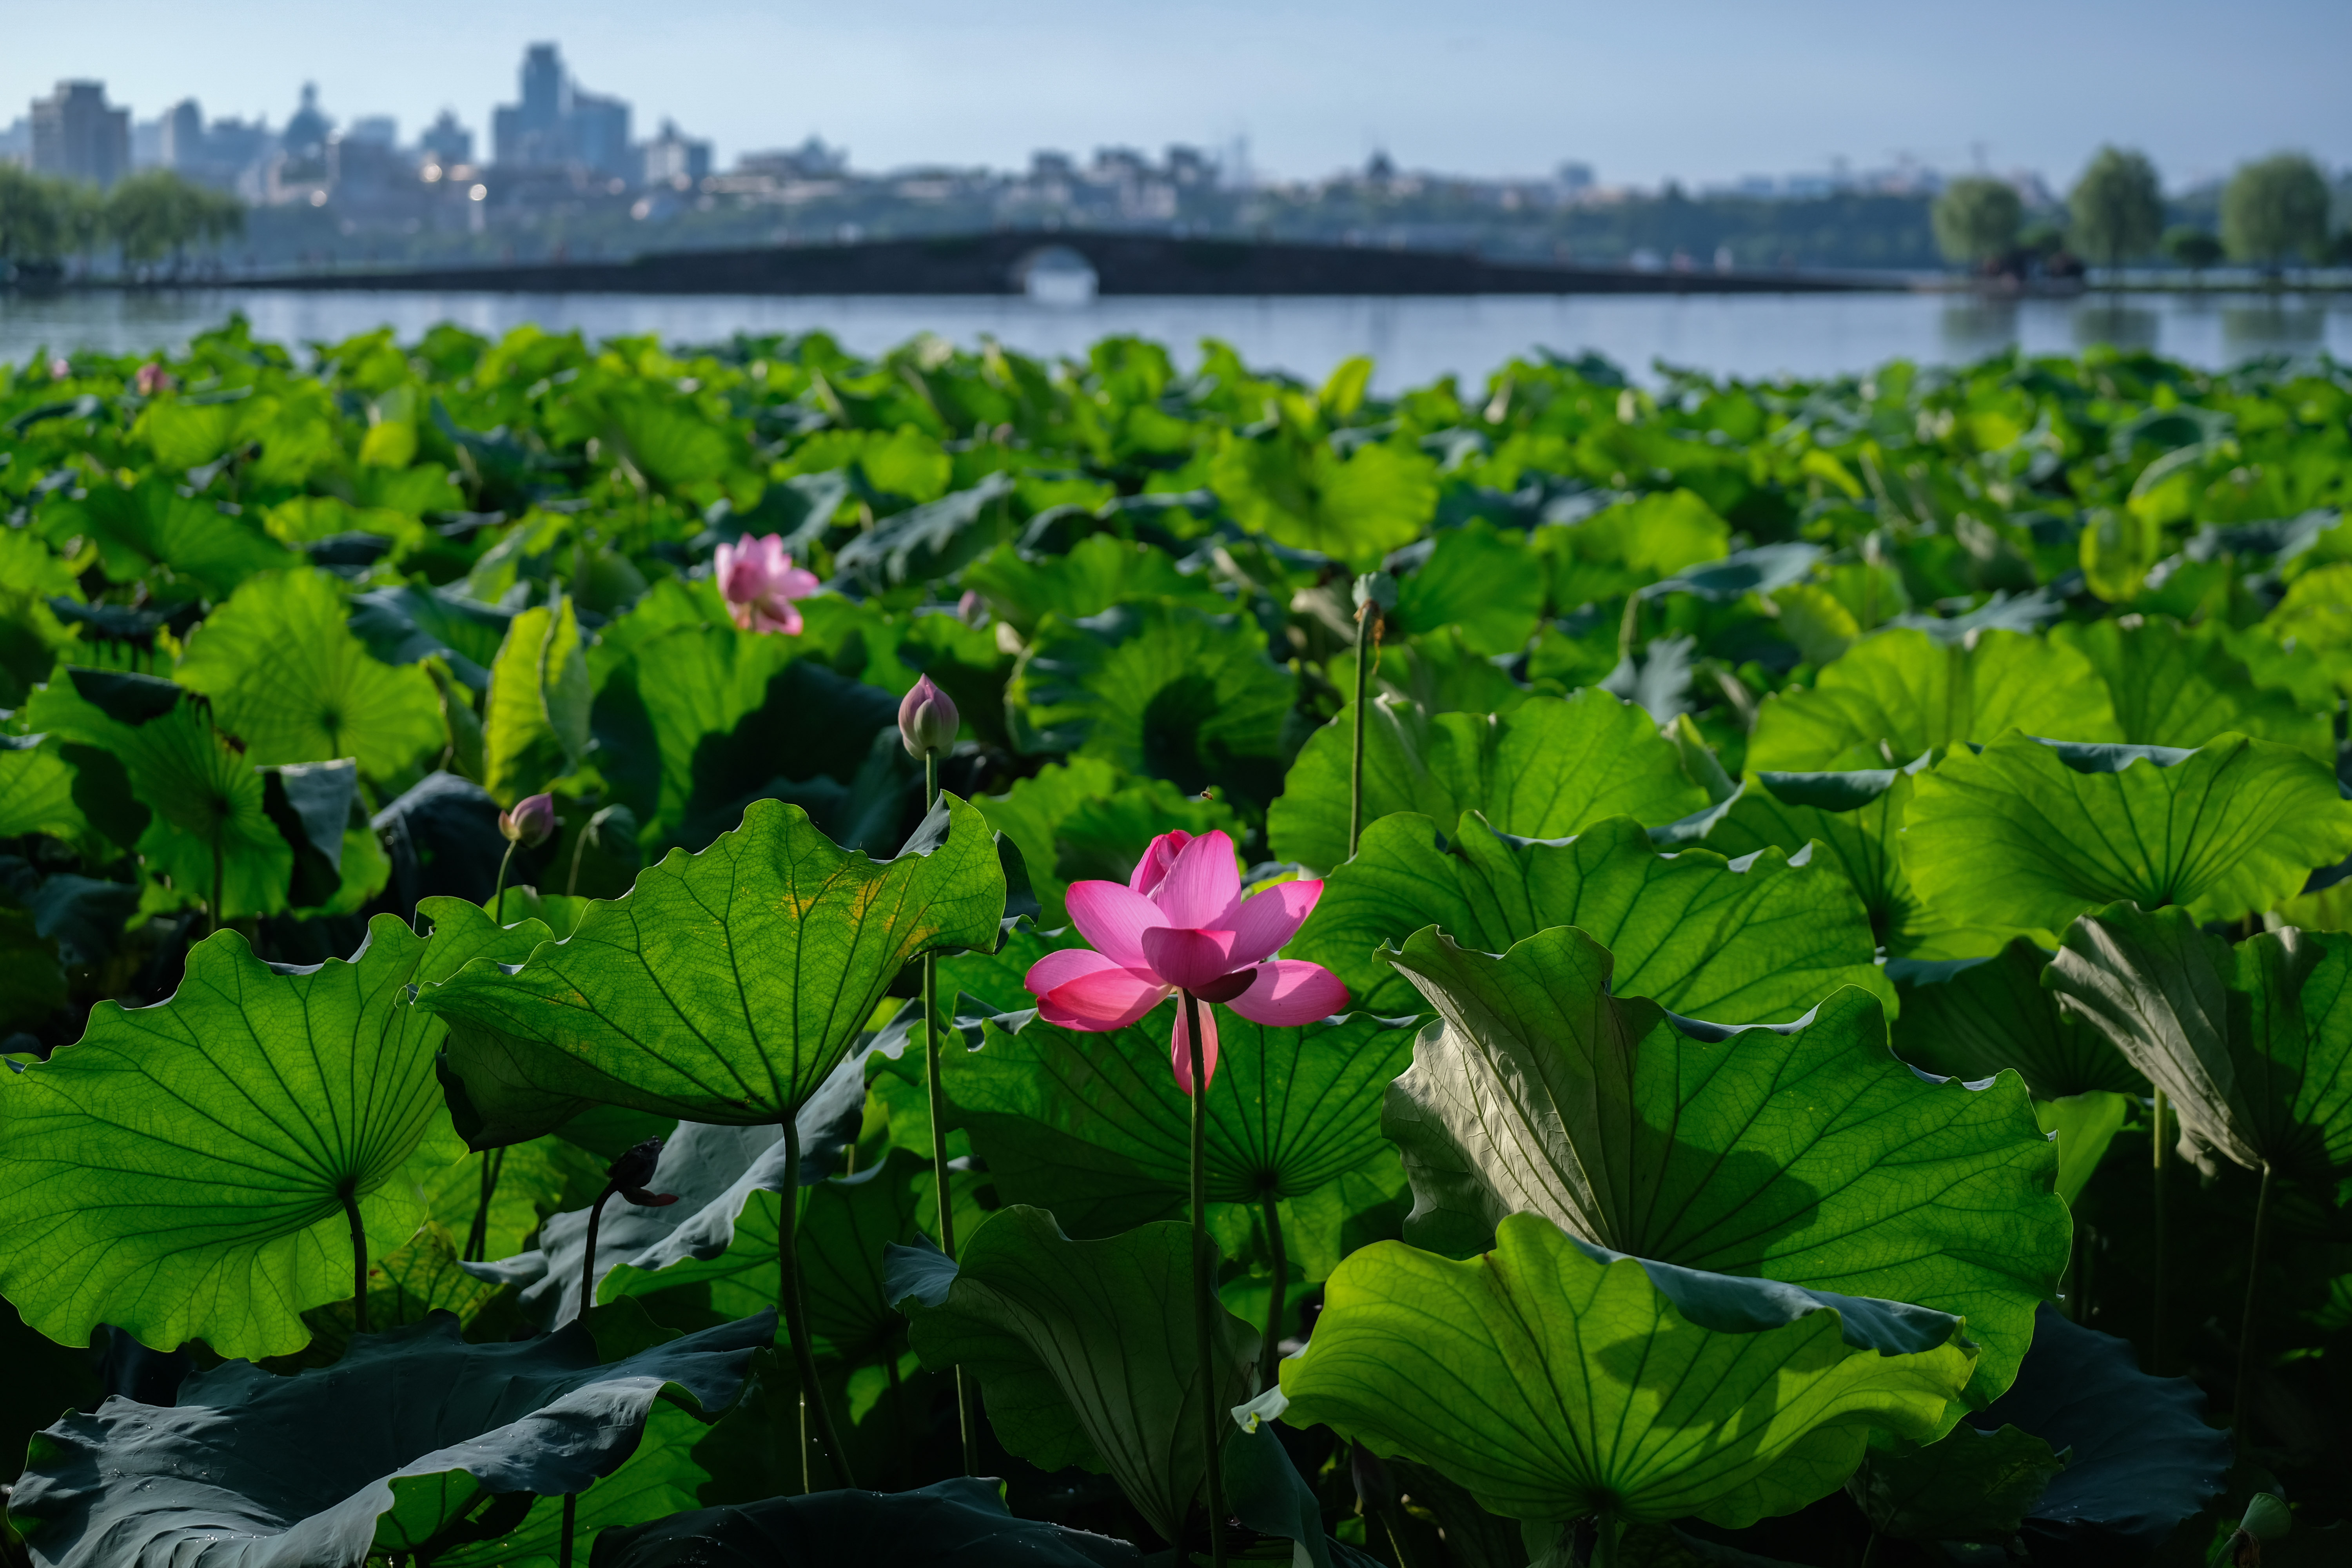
column 1055, row 275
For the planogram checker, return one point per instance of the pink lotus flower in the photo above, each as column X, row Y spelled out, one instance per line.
column 760, row 583
column 152, row 379
column 1181, row 924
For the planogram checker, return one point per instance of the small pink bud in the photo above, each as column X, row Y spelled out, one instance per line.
column 927, row 721
column 531, row 822
column 152, row 379
column 60, row 370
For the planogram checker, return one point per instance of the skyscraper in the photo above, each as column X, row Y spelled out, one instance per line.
column 557, row 125
column 76, row 134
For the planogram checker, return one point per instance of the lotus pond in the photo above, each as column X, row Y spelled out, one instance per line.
column 636, row 955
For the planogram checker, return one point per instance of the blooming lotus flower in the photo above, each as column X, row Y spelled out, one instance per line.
column 760, row 583
column 1181, row 924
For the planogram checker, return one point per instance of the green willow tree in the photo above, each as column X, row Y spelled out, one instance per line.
column 2117, row 207
column 156, row 213
column 1976, row 219
column 2274, row 208
column 2193, row 248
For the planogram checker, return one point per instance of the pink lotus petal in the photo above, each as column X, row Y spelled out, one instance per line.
column 796, row 582
column 1189, row 959
column 1152, row 869
column 1105, row 999
column 1270, row 917
column 1201, row 886
column 1180, row 1043
column 1288, row 993
column 1063, row 965
column 1113, row 920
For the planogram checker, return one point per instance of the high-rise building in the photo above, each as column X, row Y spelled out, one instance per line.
column 676, row 160
column 183, row 135
column 558, row 125
column 76, row 134
column 447, row 142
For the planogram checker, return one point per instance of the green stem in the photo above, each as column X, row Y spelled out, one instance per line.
column 349, row 1193
column 967, row 1419
column 477, row 1236
column 1367, row 616
column 1606, row 1530
column 219, row 876
column 2243, row 1406
column 1870, row 1553
column 2156, row 1358
column 498, row 892
column 570, row 1522
column 1204, row 1287
column 588, row 1260
column 796, row 1309
column 1269, row 1350
column 579, row 845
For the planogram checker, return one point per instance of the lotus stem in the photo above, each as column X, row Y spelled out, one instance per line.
column 788, row 1290
column 478, row 1235
column 967, row 1419
column 220, row 878
column 498, row 889
column 1368, row 617
column 1204, row 1284
column 2242, row 1407
column 1870, row 1553
column 570, row 1522
column 1607, row 1528
column 349, row 1193
column 1269, row 1350
column 2156, row 1359
column 588, row 1259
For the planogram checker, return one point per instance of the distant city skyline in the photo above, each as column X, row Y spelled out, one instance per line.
column 1718, row 93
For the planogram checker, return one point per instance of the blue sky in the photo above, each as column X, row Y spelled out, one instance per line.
column 1701, row 91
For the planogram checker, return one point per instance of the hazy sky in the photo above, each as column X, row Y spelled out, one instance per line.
column 1701, row 91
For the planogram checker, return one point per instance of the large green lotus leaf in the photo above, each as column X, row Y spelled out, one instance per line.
column 1488, row 585
column 696, row 719
column 1554, row 1379
column 150, row 527
column 2023, row 837
column 1971, row 1484
column 2140, row 1458
column 535, row 719
column 1900, row 692
column 1094, row 1127
column 1752, row 942
column 2252, row 1044
column 37, row 789
column 1084, row 1350
column 1972, row 1017
column 1856, row 818
column 1805, row 1153
column 191, row 792
column 1548, row 768
column 180, row 1172
column 2180, row 685
column 1158, row 690
column 963, row 1521
column 1305, row 495
column 724, row 986
column 1098, row 571
column 1080, row 819
column 288, row 678
column 410, row 1434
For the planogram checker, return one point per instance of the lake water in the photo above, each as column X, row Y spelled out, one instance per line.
column 1413, row 340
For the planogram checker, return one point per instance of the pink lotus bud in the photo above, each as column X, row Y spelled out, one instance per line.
column 927, row 721
column 60, row 370
column 152, row 379
column 531, row 823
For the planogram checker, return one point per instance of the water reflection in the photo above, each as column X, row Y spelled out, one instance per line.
column 1977, row 325
column 2271, row 326
column 2113, row 323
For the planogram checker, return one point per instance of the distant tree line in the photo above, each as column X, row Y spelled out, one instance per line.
column 2273, row 211
column 145, row 217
